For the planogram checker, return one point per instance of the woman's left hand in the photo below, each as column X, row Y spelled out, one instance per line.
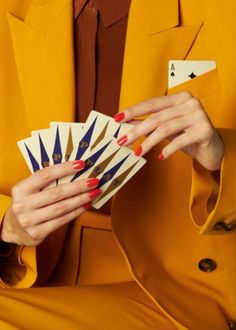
column 180, row 118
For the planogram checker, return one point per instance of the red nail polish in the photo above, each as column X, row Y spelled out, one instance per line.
column 139, row 151
column 161, row 156
column 92, row 182
column 119, row 117
column 87, row 206
column 78, row 165
column 122, row 140
column 94, row 193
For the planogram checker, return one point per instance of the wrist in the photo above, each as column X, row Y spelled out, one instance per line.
column 6, row 232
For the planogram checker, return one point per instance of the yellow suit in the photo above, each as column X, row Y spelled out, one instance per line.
column 181, row 253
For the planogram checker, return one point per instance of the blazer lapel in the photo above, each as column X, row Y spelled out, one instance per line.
column 44, row 50
column 156, row 16
column 154, row 37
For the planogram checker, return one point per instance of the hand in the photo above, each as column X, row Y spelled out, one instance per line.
column 179, row 118
column 35, row 213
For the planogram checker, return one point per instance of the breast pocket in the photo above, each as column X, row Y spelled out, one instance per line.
column 206, row 87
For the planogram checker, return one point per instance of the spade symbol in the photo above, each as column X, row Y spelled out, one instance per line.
column 172, row 74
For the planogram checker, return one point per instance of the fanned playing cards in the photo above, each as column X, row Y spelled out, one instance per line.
column 95, row 142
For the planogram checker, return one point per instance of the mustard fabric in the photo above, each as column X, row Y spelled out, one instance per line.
column 112, row 306
column 161, row 218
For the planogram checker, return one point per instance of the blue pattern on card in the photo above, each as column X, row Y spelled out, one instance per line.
column 117, row 132
column 85, row 141
column 57, row 152
column 44, row 155
column 107, row 176
column 33, row 161
column 91, row 161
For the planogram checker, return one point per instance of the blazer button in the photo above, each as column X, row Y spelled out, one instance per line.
column 207, row 265
column 219, row 226
column 230, row 226
column 232, row 325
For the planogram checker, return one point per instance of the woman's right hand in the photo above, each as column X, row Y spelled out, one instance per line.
column 35, row 212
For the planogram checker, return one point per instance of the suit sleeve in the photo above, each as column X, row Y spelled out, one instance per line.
column 17, row 268
column 213, row 203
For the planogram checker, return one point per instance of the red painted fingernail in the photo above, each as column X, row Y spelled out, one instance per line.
column 122, row 140
column 139, row 151
column 87, row 206
column 95, row 193
column 92, row 182
column 161, row 156
column 119, row 117
column 78, row 165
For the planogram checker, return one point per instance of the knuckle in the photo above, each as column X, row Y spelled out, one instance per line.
column 177, row 143
column 60, row 208
column 17, row 208
column 35, row 234
column 194, row 102
column 206, row 129
column 24, row 221
column 79, row 185
column 151, row 104
column 185, row 95
column 63, row 219
column 45, row 174
column 199, row 116
column 56, row 194
column 135, row 131
column 15, row 191
column 164, row 129
column 155, row 119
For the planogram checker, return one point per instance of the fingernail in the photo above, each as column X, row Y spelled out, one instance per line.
column 92, row 182
column 87, row 206
column 95, row 193
column 122, row 140
column 78, row 165
column 119, row 117
column 161, row 156
column 139, row 151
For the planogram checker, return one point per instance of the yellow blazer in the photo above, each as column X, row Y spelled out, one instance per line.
column 174, row 225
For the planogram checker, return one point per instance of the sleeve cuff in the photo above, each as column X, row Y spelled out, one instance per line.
column 212, row 203
column 17, row 264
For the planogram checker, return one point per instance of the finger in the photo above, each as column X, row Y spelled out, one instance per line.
column 42, row 230
column 152, row 105
column 59, row 193
column 47, row 175
column 164, row 131
column 152, row 123
column 58, row 209
column 179, row 143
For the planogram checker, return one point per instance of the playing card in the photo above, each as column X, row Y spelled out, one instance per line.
column 121, row 169
column 180, row 72
column 97, row 127
column 96, row 160
column 64, row 137
column 95, row 142
column 31, row 153
column 42, row 140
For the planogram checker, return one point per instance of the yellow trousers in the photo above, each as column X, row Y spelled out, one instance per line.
column 116, row 303
column 121, row 306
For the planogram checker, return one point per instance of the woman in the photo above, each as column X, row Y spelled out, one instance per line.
column 172, row 273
